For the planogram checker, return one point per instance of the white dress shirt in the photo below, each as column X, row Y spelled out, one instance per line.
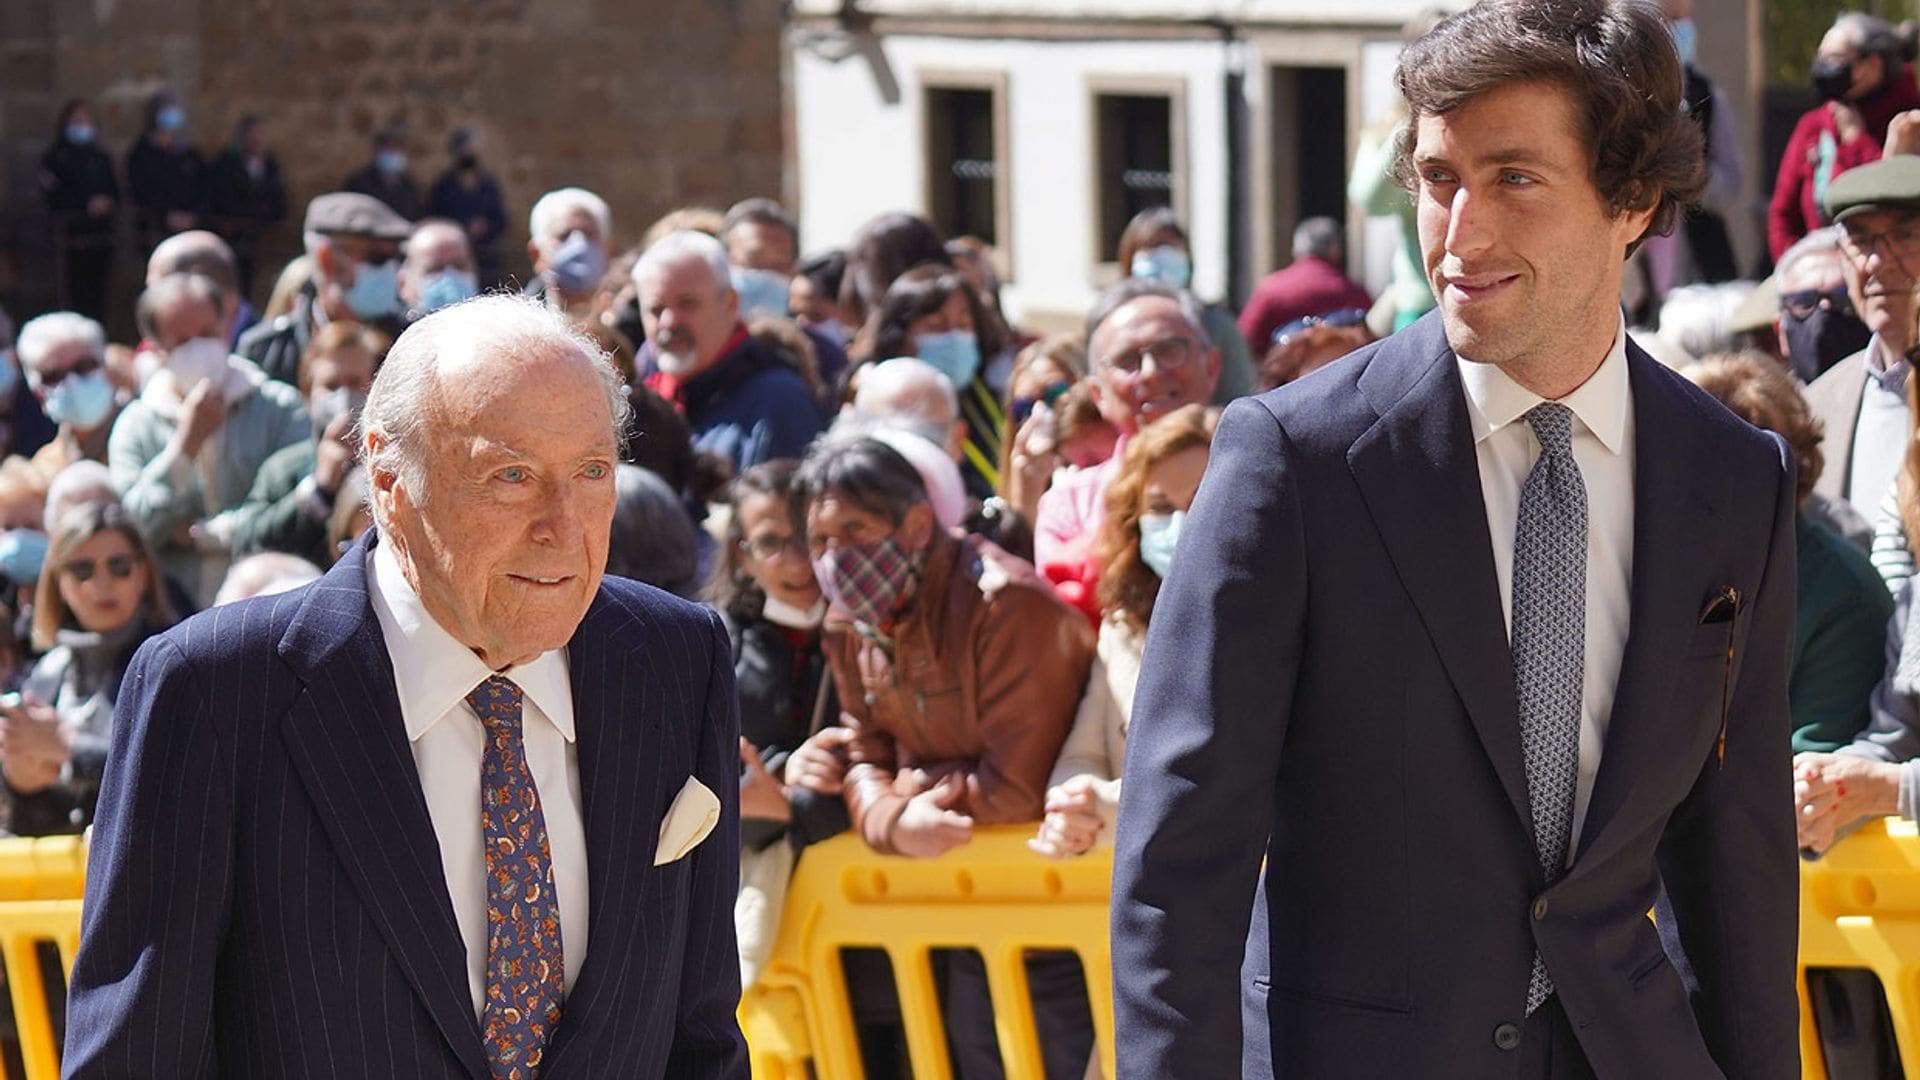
column 1505, row 448
column 434, row 674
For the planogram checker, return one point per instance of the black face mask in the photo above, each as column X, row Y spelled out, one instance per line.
column 1822, row 339
column 1832, row 79
column 467, row 161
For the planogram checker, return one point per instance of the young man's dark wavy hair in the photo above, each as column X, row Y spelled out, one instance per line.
column 1614, row 57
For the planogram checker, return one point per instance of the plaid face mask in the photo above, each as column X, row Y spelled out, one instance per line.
column 870, row 582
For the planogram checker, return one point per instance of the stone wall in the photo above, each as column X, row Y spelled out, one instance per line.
column 652, row 103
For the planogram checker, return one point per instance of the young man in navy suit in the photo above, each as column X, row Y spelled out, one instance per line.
column 461, row 808
column 1479, row 637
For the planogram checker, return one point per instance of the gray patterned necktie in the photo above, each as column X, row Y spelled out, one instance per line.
column 1549, row 642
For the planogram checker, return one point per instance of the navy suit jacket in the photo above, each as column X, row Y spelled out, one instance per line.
column 265, row 894
column 1328, row 684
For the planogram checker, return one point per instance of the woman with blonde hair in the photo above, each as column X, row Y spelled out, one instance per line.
column 1147, row 505
column 99, row 597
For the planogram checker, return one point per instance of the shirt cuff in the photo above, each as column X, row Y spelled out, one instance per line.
column 314, row 503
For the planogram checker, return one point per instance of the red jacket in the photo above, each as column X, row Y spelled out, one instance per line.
column 1798, row 190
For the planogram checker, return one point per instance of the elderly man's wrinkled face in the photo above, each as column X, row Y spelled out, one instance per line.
column 507, row 543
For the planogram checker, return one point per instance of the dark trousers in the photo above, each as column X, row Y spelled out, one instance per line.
column 1548, row 1048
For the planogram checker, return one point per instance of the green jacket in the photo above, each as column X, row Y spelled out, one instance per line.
column 1839, row 638
column 285, row 511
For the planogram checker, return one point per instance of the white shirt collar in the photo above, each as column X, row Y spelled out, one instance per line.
column 434, row 673
column 1494, row 400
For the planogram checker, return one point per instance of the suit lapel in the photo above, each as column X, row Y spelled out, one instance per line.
column 347, row 741
column 1673, row 523
column 615, row 690
column 1417, row 472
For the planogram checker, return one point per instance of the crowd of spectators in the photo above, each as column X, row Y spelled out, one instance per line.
column 936, row 539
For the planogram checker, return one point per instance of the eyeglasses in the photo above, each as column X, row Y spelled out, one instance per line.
column 1023, row 407
column 1167, row 354
column 767, row 548
column 119, row 567
column 1901, row 241
column 1804, row 303
column 1345, row 318
column 86, row 365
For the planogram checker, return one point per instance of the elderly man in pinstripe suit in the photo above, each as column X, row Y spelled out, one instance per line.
column 462, row 808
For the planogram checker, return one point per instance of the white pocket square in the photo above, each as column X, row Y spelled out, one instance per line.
column 694, row 813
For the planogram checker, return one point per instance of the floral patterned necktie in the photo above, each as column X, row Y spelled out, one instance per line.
column 525, row 979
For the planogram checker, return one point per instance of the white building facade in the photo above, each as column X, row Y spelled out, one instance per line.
column 1041, row 126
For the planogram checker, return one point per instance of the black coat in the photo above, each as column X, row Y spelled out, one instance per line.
column 71, row 175
column 783, row 699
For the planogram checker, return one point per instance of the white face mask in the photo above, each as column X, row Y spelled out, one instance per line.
column 192, row 361
column 783, row 614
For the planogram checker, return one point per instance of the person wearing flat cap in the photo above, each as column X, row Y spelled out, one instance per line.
column 353, row 241
column 1862, row 400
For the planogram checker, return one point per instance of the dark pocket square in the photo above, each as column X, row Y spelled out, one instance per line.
column 1721, row 607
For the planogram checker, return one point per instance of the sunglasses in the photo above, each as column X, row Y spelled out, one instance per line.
column 1343, row 319
column 119, row 567
column 1023, row 407
column 86, row 365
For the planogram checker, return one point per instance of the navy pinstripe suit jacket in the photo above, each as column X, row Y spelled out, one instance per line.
column 265, row 894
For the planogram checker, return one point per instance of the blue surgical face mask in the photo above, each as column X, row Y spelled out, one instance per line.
column 171, row 118
column 1159, row 534
column 1686, row 38
column 80, row 134
column 1166, row 264
column 832, row 330
column 446, row 287
column 391, row 162
column 22, row 553
column 9, row 375
column 81, row 401
column 578, row 263
column 762, row 292
column 955, row 352
column 375, row 292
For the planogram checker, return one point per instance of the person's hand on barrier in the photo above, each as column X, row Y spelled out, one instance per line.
column 34, row 746
column 1831, row 791
column 1072, row 824
column 820, row 764
column 762, row 798
column 930, row 826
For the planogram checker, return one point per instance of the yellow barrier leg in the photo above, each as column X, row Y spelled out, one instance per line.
column 1013, row 1010
column 1100, row 996
column 920, row 1013
column 35, row 1027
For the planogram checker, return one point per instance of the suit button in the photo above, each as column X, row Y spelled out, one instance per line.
column 1506, row 1036
column 1540, row 909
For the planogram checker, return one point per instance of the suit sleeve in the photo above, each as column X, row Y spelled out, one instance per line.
column 1209, row 717
column 707, row 1042
column 141, row 998
column 1727, row 859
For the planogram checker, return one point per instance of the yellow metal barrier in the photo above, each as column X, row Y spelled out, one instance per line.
column 993, row 896
column 1859, row 908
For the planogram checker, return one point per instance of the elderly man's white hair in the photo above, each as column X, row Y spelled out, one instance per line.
column 48, row 332
column 687, row 245
column 554, row 205
column 84, row 481
column 506, row 328
column 908, row 386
